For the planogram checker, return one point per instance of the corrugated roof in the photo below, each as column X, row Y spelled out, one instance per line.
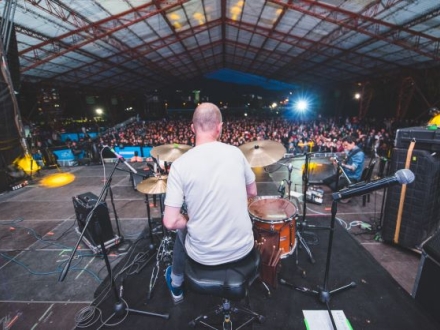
column 138, row 45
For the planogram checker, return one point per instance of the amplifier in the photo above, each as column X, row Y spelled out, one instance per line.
column 99, row 223
column 426, row 138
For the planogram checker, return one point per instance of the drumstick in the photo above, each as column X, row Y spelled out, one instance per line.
column 272, row 255
column 277, row 258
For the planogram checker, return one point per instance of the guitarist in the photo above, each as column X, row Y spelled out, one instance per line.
column 352, row 166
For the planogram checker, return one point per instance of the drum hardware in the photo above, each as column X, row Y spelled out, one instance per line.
column 300, row 231
column 156, row 185
column 164, row 254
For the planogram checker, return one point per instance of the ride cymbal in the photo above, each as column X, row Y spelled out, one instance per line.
column 153, row 186
column 169, row 152
column 262, row 153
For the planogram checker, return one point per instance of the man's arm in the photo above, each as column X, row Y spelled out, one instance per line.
column 251, row 190
column 173, row 219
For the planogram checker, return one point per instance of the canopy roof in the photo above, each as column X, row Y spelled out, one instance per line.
column 138, row 45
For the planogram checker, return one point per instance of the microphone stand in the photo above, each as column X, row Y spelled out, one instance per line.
column 120, row 306
column 323, row 292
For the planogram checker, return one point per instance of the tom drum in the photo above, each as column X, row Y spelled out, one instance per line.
column 275, row 215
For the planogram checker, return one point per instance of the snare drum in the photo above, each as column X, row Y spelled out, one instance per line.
column 275, row 215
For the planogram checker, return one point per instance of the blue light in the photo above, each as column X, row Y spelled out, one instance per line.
column 301, row 105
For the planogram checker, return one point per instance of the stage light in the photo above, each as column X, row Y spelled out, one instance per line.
column 27, row 164
column 57, row 180
column 357, row 96
column 301, row 105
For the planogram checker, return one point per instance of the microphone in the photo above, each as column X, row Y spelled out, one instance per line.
column 121, row 158
column 403, row 176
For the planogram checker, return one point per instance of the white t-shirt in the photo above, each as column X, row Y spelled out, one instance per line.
column 211, row 179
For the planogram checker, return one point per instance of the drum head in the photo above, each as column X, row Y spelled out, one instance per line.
column 272, row 209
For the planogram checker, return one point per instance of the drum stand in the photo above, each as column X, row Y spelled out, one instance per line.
column 303, row 224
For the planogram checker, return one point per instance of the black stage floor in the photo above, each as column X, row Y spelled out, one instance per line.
column 37, row 231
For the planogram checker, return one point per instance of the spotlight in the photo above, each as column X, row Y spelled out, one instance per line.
column 27, row 164
column 301, row 105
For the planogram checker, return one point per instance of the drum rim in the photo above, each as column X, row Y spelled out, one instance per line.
column 256, row 218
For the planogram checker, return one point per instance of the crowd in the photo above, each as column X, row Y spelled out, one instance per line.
column 319, row 135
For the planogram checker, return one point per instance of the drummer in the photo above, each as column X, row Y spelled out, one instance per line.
column 352, row 166
column 214, row 180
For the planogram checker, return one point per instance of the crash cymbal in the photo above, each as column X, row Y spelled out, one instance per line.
column 153, row 186
column 262, row 153
column 169, row 152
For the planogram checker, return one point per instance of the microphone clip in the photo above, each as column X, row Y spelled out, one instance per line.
column 282, row 188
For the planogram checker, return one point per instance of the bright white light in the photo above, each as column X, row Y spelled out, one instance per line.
column 357, row 96
column 301, row 105
column 99, row 111
column 274, row 105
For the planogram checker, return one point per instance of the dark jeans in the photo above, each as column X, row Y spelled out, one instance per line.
column 342, row 182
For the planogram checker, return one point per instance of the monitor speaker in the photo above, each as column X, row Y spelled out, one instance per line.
column 427, row 285
column 83, row 205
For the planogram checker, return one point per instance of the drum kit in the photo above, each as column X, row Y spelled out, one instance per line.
column 276, row 215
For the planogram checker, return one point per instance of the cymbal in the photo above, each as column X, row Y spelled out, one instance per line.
column 262, row 153
column 169, row 152
column 153, row 186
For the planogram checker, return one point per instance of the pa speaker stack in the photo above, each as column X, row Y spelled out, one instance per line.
column 99, row 226
column 420, row 214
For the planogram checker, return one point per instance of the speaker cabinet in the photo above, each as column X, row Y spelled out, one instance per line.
column 83, row 205
column 420, row 216
column 427, row 285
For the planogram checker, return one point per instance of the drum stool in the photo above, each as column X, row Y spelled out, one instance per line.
column 229, row 281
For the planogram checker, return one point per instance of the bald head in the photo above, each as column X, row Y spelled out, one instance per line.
column 206, row 118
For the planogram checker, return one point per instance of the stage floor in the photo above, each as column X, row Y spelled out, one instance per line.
column 38, row 234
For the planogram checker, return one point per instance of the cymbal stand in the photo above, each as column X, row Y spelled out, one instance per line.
column 303, row 224
column 150, row 222
column 323, row 293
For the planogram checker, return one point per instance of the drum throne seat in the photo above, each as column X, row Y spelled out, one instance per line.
column 230, row 282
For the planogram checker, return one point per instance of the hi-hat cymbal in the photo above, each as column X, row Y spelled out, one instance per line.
column 153, row 186
column 169, row 152
column 262, row 153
